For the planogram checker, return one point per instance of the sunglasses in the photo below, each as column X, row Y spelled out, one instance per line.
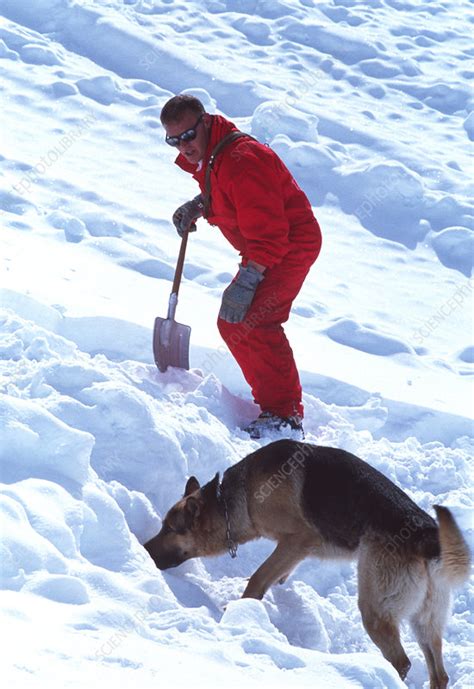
column 188, row 135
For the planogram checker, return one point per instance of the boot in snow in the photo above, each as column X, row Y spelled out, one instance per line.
column 268, row 424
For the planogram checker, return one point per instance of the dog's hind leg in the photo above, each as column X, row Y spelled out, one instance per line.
column 427, row 624
column 288, row 553
column 387, row 590
column 385, row 634
column 432, row 650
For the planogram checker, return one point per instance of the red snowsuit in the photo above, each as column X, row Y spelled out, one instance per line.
column 261, row 210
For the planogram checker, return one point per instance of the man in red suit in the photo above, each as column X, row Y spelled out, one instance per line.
column 248, row 192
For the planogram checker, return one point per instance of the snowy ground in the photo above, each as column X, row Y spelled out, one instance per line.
column 369, row 105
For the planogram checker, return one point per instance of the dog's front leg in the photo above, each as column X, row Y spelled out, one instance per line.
column 281, row 562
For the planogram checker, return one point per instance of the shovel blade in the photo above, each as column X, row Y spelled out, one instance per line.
column 171, row 344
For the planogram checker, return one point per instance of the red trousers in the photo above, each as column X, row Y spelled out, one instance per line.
column 259, row 343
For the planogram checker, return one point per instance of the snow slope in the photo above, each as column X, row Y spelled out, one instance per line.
column 369, row 105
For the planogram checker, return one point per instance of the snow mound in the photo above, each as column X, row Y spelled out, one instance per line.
column 387, row 198
column 365, row 338
column 454, row 247
column 34, row 442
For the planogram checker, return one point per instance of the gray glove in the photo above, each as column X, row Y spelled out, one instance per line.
column 185, row 216
column 239, row 294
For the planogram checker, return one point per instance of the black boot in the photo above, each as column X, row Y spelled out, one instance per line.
column 268, row 424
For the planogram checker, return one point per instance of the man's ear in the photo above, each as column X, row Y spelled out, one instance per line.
column 191, row 486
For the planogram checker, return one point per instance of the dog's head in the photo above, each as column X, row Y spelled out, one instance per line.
column 191, row 527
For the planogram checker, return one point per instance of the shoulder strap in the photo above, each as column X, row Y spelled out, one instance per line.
column 228, row 139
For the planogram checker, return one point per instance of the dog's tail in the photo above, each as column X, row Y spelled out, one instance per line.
column 455, row 555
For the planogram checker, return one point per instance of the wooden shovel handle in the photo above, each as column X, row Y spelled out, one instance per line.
column 180, row 264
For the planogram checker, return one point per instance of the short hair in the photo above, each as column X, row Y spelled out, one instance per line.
column 174, row 109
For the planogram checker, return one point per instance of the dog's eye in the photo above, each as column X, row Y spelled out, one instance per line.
column 166, row 529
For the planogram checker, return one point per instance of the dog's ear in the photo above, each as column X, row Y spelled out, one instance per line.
column 214, row 483
column 191, row 486
column 209, row 491
column 192, row 511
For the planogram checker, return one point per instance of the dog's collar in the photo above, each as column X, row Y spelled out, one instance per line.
column 231, row 544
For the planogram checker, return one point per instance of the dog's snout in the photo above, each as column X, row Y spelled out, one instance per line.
column 166, row 561
column 163, row 558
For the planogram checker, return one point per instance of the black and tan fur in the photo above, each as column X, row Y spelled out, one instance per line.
column 328, row 503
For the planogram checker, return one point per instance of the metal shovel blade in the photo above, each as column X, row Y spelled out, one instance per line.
column 171, row 344
column 171, row 339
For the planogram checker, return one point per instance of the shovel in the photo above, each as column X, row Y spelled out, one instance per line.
column 171, row 339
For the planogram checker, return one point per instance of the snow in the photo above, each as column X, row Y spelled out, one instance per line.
column 369, row 106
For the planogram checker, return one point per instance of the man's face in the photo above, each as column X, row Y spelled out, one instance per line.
column 193, row 150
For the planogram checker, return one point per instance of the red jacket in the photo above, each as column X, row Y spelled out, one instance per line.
column 255, row 201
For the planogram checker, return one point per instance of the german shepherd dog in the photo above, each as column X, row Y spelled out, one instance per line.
column 328, row 503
